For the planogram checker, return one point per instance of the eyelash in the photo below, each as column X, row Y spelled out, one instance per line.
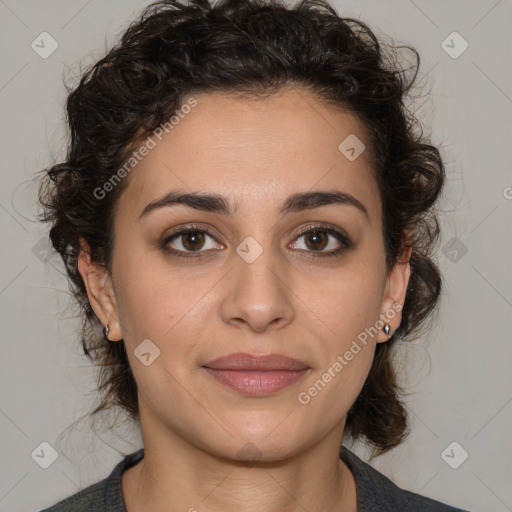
column 339, row 235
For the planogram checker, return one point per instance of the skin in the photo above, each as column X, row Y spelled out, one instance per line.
column 290, row 300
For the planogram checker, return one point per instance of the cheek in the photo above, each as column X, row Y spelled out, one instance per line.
column 344, row 302
column 153, row 297
column 346, row 308
column 171, row 309
column 334, row 390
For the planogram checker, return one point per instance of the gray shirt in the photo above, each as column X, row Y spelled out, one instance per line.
column 375, row 492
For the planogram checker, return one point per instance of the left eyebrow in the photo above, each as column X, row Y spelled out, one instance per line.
column 219, row 204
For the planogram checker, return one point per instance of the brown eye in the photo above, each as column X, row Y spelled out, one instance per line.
column 190, row 240
column 316, row 240
column 319, row 238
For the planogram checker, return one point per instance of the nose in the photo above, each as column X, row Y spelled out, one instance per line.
column 258, row 294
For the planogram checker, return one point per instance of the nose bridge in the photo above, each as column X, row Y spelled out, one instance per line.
column 257, row 294
column 257, row 263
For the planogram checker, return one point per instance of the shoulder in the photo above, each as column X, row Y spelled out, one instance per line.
column 377, row 492
column 90, row 498
column 422, row 503
column 105, row 495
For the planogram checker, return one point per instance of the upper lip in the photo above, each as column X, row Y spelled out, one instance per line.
column 244, row 361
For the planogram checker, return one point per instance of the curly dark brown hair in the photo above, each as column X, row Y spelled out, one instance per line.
column 249, row 48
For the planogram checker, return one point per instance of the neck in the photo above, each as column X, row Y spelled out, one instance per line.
column 177, row 476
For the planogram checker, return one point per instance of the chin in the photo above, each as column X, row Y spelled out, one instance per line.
column 252, row 447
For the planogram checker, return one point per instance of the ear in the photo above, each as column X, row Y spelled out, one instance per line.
column 394, row 295
column 99, row 290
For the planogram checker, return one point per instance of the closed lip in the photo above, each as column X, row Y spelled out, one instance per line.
column 251, row 362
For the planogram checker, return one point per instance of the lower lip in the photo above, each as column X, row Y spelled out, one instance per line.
column 256, row 383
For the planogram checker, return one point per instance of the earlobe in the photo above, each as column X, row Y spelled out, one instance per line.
column 99, row 290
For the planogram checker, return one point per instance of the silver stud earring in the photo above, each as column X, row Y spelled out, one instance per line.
column 106, row 330
column 387, row 329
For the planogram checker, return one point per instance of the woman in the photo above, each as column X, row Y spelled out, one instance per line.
column 246, row 217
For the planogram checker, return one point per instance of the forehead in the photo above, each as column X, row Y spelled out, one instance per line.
column 255, row 152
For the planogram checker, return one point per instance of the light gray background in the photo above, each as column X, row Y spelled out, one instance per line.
column 459, row 375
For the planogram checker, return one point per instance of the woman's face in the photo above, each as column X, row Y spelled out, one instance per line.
column 255, row 284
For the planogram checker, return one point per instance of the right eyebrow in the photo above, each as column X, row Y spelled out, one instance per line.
column 308, row 200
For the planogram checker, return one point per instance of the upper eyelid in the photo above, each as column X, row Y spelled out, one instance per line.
column 187, row 228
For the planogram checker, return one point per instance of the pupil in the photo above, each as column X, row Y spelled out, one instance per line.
column 196, row 238
column 317, row 239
